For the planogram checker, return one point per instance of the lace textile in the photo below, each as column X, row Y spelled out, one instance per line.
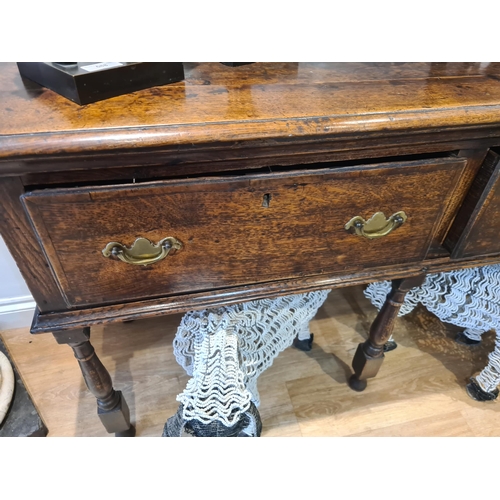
column 226, row 349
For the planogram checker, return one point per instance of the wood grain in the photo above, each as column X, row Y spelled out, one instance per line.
column 256, row 103
column 24, row 247
column 474, row 232
column 49, row 322
column 419, row 391
column 236, row 120
column 174, row 161
column 227, row 230
column 475, row 159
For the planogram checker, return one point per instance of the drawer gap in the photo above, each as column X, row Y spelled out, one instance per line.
column 138, row 177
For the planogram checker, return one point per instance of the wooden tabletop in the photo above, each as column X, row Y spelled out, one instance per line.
column 257, row 102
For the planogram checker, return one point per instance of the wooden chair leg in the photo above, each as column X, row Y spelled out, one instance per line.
column 112, row 408
column 370, row 354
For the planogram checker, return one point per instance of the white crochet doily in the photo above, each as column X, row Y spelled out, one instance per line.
column 226, row 349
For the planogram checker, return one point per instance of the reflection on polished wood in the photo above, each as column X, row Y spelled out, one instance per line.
column 260, row 103
column 419, row 389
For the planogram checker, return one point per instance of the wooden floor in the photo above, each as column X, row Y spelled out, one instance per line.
column 418, row 392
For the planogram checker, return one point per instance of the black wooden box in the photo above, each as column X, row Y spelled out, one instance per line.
column 84, row 83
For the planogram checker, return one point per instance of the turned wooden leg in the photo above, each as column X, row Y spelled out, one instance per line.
column 370, row 354
column 111, row 406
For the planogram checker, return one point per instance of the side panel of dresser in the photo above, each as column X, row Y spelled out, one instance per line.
column 475, row 231
column 16, row 230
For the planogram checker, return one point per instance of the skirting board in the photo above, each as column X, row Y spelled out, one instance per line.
column 16, row 312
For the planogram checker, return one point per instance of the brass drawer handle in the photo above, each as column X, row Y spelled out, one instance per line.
column 142, row 252
column 377, row 226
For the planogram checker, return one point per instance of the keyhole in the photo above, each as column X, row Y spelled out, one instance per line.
column 266, row 200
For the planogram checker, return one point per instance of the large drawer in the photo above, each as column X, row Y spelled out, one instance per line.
column 238, row 230
column 474, row 232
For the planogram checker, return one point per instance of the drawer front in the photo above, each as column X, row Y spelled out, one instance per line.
column 474, row 232
column 237, row 230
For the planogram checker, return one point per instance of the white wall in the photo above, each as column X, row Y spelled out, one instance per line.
column 16, row 302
